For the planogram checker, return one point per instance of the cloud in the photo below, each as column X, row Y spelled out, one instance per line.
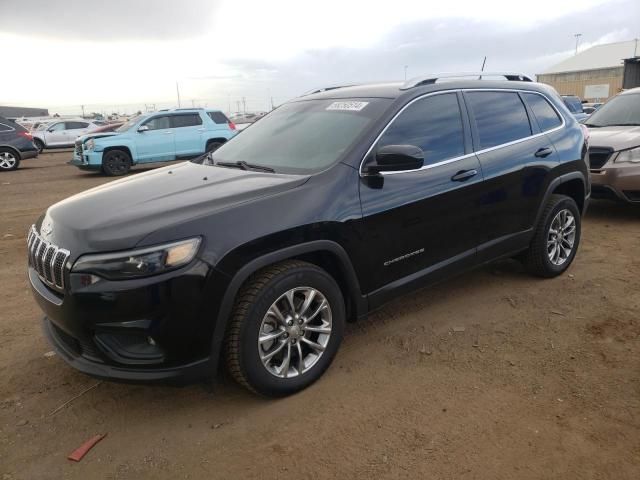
column 104, row 20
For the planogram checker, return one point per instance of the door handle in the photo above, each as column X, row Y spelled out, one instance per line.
column 543, row 152
column 202, row 129
column 464, row 175
column 168, row 132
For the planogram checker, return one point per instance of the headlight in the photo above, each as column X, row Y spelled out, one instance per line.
column 89, row 144
column 629, row 156
column 139, row 263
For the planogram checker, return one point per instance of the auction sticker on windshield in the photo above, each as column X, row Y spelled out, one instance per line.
column 350, row 106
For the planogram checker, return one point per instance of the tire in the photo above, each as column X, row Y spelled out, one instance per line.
column 545, row 258
column 252, row 315
column 39, row 144
column 9, row 159
column 116, row 163
column 213, row 146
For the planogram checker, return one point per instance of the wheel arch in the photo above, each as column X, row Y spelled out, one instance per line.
column 216, row 139
column 12, row 148
column 119, row 147
column 325, row 254
column 573, row 185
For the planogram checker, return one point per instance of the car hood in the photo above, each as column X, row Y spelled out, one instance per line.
column 120, row 214
column 84, row 138
column 618, row 138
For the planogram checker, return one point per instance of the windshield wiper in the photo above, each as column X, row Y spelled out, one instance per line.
column 246, row 166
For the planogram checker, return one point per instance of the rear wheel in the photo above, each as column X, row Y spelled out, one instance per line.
column 286, row 328
column 39, row 144
column 116, row 163
column 212, row 146
column 9, row 160
column 556, row 238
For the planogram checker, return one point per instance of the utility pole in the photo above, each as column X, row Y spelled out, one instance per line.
column 484, row 62
column 238, row 105
column 405, row 72
column 178, row 92
column 82, row 110
column 244, row 105
column 577, row 35
column 193, row 103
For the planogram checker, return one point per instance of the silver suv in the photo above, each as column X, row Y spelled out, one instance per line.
column 62, row 133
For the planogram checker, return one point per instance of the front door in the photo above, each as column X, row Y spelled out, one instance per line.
column 417, row 224
column 157, row 143
column 56, row 135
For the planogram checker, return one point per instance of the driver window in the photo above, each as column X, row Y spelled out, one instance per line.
column 432, row 123
column 158, row 123
column 58, row 127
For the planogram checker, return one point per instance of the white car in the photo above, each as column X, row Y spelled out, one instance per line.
column 61, row 133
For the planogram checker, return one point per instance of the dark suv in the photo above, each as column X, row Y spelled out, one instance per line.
column 326, row 208
column 16, row 144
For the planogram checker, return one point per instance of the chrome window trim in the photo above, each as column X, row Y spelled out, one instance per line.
column 468, row 155
column 11, row 129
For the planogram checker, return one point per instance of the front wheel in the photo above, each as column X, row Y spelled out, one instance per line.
column 116, row 163
column 286, row 327
column 556, row 238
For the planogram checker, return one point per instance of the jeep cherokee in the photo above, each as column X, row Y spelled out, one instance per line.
column 258, row 253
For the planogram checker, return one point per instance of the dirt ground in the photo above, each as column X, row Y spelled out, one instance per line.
column 492, row 375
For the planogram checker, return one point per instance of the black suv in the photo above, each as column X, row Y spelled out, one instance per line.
column 16, row 143
column 326, row 208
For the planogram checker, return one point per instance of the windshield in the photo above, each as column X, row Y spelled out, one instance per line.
column 303, row 137
column 128, row 124
column 620, row 110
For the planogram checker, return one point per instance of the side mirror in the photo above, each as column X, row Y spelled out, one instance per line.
column 143, row 128
column 396, row 158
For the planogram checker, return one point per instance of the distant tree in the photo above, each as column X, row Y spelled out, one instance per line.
column 55, row 115
column 139, row 112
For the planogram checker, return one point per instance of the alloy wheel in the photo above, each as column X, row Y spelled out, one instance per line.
column 7, row 160
column 561, row 237
column 295, row 332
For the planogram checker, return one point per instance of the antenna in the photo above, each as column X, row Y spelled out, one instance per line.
column 483, row 64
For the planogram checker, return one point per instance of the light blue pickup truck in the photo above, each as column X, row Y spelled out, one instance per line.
column 153, row 137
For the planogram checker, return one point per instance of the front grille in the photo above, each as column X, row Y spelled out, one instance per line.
column 79, row 148
column 598, row 156
column 47, row 259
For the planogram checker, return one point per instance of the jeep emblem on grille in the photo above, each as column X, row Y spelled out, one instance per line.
column 47, row 228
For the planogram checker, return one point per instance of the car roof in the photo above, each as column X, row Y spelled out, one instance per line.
column 631, row 91
column 393, row 90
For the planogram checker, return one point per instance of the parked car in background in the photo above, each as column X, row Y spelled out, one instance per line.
column 614, row 151
column 589, row 108
column 328, row 207
column 62, row 133
column 241, row 118
column 109, row 127
column 154, row 137
column 16, row 144
column 574, row 104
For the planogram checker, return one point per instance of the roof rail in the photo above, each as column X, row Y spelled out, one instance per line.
column 431, row 79
column 325, row 89
column 188, row 108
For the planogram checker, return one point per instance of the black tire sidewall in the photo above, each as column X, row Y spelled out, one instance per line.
column 39, row 145
column 105, row 163
column 255, row 373
column 213, row 146
column 569, row 204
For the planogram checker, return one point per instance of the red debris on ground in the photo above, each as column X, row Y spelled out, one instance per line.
column 82, row 450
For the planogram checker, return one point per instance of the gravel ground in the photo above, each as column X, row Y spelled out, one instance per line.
column 492, row 375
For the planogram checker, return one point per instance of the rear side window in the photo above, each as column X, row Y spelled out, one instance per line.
column 158, row 123
column 573, row 104
column 76, row 125
column 545, row 114
column 432, row 123
column 218, row 117
column 185, row 120
column 6, row 128
column 500, row 117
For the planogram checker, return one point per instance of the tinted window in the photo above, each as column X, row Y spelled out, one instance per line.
column 573, row 104
column 5, row 128
column 545, row 114
column 434, row 124
column 500, row 117
column 185, row 120
column 218, row 117
column 158, row 123
column 76, row 125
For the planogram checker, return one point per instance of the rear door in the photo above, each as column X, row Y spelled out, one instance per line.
column 188, row 134
column 157, row 143
column 422, row 221
column 515, row 157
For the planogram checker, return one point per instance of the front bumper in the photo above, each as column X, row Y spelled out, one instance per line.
column 25, row 154
column 87, row 160
column 617, row 182
column 144, row 330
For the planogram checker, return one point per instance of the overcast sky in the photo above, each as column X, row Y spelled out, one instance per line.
column 122, row 54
